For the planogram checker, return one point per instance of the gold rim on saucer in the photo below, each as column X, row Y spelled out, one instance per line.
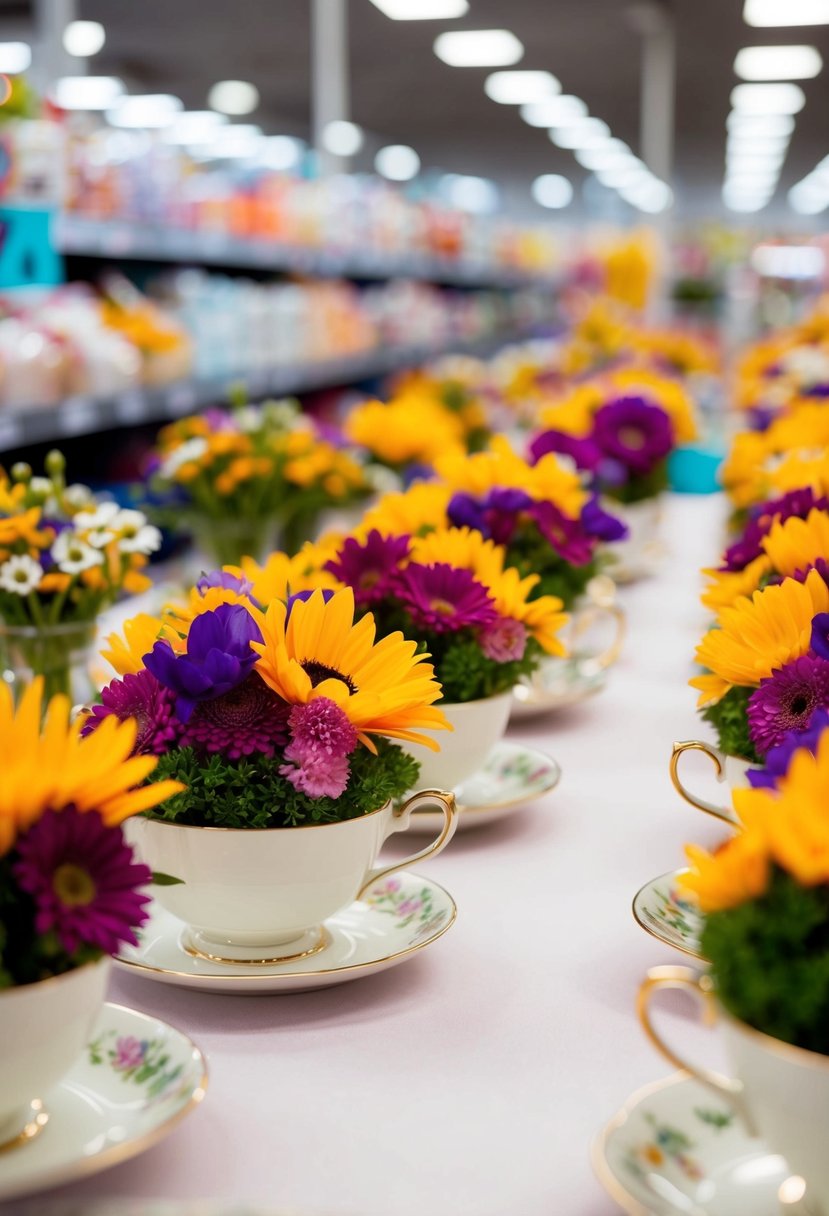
column 322, row 943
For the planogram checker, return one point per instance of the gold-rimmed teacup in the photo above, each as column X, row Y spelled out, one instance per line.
column 729, row 770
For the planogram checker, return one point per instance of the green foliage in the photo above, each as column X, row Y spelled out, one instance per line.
column 637, row 489
column 530, row 553
column 770, row 961
column 468, row 675
column 729, row 717
column 251, row 793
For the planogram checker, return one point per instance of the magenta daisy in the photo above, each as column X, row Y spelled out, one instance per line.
column 786, row 701
column 83, row 879
column 567, row 536
column 322, row 739
column 368, row 566
column 504, row 641
column 249, row 719
column 443, row 599
column 141, row 697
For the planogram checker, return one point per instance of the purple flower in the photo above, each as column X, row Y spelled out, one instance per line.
column 443, row 599
column 248, row 719
column 129, row 1053
column 786, row 700
column 322, row 739
column 820, row 635
column 779, row 758
column 416, row 472
column 637, row 434
column 303, row 597
column 600, row 523
column 796, row 503
column 224, row 580
column 83, row 880
column 566, row 536
column 584, row 452
column 218, row 657
column 139, row 696
column 817, row 390
column 496, row 515
column 504, row 641
column 368, row 566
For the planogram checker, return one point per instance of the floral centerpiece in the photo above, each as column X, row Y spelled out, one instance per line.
column 409, row 431
column 791, row 453
column 64, row 558
column 243, row 476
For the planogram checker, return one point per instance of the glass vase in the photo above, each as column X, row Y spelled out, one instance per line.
column 63, row 654
column 224, row 542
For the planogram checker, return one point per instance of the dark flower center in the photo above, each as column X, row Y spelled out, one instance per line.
column 632, row 437
column 73, row 885
column 243, row 706
column 800, row 704
column 320, row 671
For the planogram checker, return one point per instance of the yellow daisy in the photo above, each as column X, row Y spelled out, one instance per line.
column 501, row 466
column 796, row 544
column 126, row 653
column 385, row 687
column 734, row 874
column 421, row 507
column 726, row 586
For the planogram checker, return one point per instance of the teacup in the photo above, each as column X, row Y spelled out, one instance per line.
column 476, row 727
column 635, row 556
column 729, row 770
column 781, row 1092
column 261, row 895
column 44, row 1027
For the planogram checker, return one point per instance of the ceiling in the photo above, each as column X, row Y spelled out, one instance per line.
column 402, row 93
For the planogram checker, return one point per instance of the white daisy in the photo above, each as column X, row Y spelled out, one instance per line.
column 135, row 535
column 78, row 495
column 20, row 574
column 101, row 517
column 99, row 538
column 73, row 554
column 192, row 449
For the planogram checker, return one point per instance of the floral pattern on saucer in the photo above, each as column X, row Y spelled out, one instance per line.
column 667, row 915
column 674, row 1150
column 146, row 1063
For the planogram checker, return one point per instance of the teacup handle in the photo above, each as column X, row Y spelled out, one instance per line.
column 585, row 619
column 400, row 822
column 718, row 759
column 701, row 987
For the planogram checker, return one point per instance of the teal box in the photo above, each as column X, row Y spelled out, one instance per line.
column 694, row 469
column 28, row 257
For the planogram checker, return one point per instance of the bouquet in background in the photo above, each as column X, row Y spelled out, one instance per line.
column 407, row 433
column 70, row 891
column 272, row 713
column 790, row 453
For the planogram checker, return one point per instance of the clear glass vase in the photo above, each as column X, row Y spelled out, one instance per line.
column 223, row 542
column 63, row 654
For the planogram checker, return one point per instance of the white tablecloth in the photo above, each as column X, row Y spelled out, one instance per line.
column 471, row 1080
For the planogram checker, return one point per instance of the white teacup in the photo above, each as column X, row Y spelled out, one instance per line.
column 635, row 556
column 730, row 771
column 781, row 1092
column 261, row 895
column 476, row 727
column 44, row 1027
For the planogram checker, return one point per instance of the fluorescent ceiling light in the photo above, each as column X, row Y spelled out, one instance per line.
column 808, row 202
column 621, row 176
column 342, row 138
column 587, row 133
column 15, row 57
column 554, row 111
column 234, row 97
column 422, row 10
column 474, row 194
column 552, row 190
column 397, row 162
column 478, row 48
column 192, row 125
column 83, row 38
column 755, row 156
column 517, row 88
column 768, row 98
column 650, row 195
column 786, row 12
column 788, row 261
column 740, row 203
column 87, row 92
column 152, row 110
column 759, row 124
column 610, row 154
column 281, row 152
column 747, row 141
column 778, row 63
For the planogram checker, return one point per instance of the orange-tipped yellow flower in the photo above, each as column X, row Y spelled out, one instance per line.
column 735, row 873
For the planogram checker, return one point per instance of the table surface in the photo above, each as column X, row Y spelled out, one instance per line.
column 473, row 1078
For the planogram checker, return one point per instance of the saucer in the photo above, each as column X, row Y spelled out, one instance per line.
column 393, row 920
column 557, row 685
column 136, row 1079
column 675, row 1149
column 662, row 912
column 513, row 775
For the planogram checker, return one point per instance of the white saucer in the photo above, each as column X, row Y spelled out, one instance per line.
column 661, row 911
column 557, row 684
column 395, row 919
column 513, row 775
column 675, row 1149
column 136, row 1079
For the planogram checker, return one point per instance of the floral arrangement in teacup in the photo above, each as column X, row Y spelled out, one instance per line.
column 274, row 713
column 241, row 477
column 64, row 558
column 70, row 889
column 408, row 432
column 791, row 453
column 620, row 429
column 766, row 665
column 784, row 370
column 677, row 352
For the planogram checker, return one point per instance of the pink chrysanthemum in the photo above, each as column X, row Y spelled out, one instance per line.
column 443, row 599
column 83, row 880
column 322, row 738
column 504, row 641
column 249, row 719
column 786, row 701
column 141, row 697
column 368, row 566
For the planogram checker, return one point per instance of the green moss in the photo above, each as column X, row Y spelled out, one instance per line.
column 729, row 717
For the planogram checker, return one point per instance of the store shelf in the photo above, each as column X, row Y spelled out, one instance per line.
column 21, row 426
column 122, row 240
